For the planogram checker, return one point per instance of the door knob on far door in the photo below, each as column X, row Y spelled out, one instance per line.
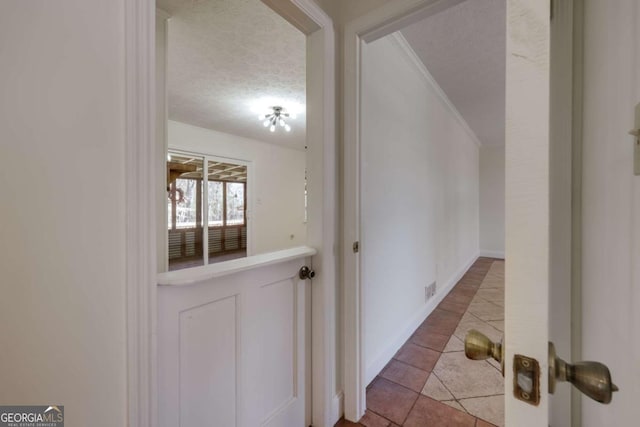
column 306, row 273
column 477, row 346
column 591, row 378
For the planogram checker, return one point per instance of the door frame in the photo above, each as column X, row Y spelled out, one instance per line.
column 378, row 23
column 565, row 197
column 141, row 155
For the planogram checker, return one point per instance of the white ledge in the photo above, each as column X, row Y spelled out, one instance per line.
column 189, row 276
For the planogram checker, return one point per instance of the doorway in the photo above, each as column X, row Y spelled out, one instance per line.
column 320, row 191
column 422, row 134
column 230, row 98
column 372, row 27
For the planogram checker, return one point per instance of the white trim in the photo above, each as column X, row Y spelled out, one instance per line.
column 190, row 276
column 322, row 190
column 140, row 16
column 309, row 18
column 381, row 360
column 162, row 237
column 353, row 317
column 314, row 12
column 399, row 41
column 492, row 254
column 337, row 407
column 577, row 82
column 564, row 326
column 399, row 14
column 303, row 15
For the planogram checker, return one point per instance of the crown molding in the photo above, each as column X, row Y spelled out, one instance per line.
column 399, row 41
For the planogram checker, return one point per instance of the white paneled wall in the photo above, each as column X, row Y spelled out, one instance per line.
column 419, row 206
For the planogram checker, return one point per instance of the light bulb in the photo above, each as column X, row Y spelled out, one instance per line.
column 266, row 123
column 287, row 128
column 282, row 123
column 272, row 128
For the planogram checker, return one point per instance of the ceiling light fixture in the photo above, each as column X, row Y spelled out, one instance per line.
column 276, row 118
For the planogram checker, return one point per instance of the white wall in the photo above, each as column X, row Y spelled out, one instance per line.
column 492, row 201
column 275, row 185
column 62, row 220
column 611, row 207
column 419, row 206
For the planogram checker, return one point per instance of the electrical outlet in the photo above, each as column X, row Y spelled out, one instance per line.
column 430, row 291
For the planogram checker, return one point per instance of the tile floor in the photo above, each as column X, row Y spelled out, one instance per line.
column 430, row 382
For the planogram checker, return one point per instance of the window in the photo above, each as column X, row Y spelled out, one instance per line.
column 235, row 203
column 216, row 203
column 222, row 199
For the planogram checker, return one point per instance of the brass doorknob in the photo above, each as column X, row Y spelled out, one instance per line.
column 591, row 378
column 477, row 346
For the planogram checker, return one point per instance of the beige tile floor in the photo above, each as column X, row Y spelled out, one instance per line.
column 475, row 387
column 430, row 382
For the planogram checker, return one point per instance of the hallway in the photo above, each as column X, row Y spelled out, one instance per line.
column 430, row 382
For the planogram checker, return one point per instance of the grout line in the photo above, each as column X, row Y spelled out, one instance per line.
column 412, row 406
column 401, row 385
column 450, row 311
column 482, row 396
column 383, row 417
column 430, row 348
column 404, row 363
column 445, row 386
column 494, row 366
column 374, row 412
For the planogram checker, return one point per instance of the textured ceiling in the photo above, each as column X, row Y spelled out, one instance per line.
column 230, row 59
column 463, row 47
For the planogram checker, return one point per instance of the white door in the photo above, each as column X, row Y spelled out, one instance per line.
column 527, row 202
column 234, row 350
column 609, row 202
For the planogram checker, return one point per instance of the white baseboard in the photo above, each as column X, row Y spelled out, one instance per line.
column 492, row 254
column 337, row 407
column 376, row 365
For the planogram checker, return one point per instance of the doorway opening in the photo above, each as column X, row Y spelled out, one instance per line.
column 276, row 226
column 435, row 105
column 231, row 94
